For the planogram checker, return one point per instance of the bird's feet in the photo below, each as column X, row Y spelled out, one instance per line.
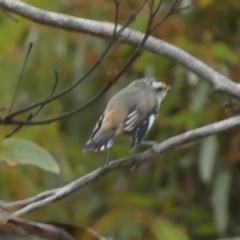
column 149, row 143
column 109, row 158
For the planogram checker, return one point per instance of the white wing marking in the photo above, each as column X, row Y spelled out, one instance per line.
column 102, row 148
column 131, row 120
column 110, row 143
column 151, row 121
column 97, row 126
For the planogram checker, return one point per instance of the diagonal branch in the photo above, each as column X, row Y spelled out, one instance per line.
column 76, row 83
column 105, row 29
column 8, row 119
column 45, row 198
column 152, row 13
column 32, row 115
column 174, row 9
column 63, row 115
column 20, row 78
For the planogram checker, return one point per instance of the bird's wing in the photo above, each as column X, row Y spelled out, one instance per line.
column 131, row 119
column 143, row 126
column 101, row 142
column 97, row 126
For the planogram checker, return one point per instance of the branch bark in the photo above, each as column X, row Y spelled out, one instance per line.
column 45, row 198
column 218, row 81
column 105, row 29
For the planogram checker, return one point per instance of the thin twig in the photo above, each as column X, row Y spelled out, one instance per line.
column 174, row 9
column 66, row 114
column 218, row 81
column 116, row 17
column 53, row 89
column 152, row 14
column 20, row 78
column 8, row 119
column 137, row 52
column 32, row 115
column 17, row 128
column 68, row 89
column 131, row 18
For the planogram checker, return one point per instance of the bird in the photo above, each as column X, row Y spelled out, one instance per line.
column 132, row 110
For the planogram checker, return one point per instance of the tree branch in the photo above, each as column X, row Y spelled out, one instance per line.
column 45, row 198
column 8, row 119
column 32, row 115
column 105, row 29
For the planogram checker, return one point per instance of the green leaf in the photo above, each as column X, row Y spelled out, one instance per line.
column 208, row 156
column 19, row 151
column 220, row 198
column 199, row 97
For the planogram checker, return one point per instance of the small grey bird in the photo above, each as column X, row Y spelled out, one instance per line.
column 132, row 110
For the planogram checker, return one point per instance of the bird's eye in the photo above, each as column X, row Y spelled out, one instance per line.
column 159, row 89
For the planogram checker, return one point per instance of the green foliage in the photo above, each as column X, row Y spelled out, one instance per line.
column 169, row 198
column 220, row 198
column 19, row 151
column 224, row 53
column 208, row 157
column 167, row 231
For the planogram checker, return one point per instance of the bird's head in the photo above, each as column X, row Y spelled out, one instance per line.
column 159, row 87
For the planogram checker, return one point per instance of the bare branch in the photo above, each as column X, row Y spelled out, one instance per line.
column 74, row 85
column 63, row 115
column 48, row 197
column 32, row 115
column 174, row 9
column 54, row 86
column 104, row 29
column 20, row 78
column 8, row 119
column 137, row 52
column 17, row 128
column 132, row 17
column 13, row 206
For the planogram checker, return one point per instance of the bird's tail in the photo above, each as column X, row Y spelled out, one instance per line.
column 100, row 143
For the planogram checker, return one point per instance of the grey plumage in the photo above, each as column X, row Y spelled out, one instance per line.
column 133, row 110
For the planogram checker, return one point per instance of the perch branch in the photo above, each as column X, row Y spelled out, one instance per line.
column 45, row 198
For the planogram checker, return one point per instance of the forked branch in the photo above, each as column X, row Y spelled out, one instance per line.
column 9, row 118
column 104, row 29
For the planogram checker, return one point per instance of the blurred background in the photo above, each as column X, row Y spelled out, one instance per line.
column 190, row 192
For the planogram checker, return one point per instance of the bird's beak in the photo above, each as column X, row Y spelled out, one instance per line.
column 166, row 87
